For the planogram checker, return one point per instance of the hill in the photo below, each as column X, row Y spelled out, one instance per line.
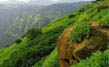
column 28, row 16
column 38, row 48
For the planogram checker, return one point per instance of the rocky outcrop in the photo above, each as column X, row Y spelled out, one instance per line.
column 70, row 53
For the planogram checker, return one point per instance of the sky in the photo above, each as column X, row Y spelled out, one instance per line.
column 14, row 0
column 42, row 0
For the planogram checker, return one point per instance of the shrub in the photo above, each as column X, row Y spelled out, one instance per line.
column 104, row 22
column 7, row 46
column 18, row 41
column 32, row 33
column 52, row 60
column 98, row 59
column 80, row 30
column 71, row 16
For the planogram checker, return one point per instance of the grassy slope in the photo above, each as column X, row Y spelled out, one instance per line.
column 50, row 61
column 98, row 59
column 33, row 51
column 41, row 43
column 6, row 52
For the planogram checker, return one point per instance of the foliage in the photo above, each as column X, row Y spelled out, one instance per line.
column 8, row 51
column 52, row 60
column 104, row 21
column 30, row 52
column 93, row 13
column 80, row 30
column 40, row 46
column 26, row 17
column 37, row 46
column 32, row 33
column 71, row 16
column 40, row 62
column 7, row 46
column 18, row 41
column 98, row 59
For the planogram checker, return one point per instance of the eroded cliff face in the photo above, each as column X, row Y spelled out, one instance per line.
column 70, row 52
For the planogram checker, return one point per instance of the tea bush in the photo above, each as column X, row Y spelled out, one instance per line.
column 18, row 41
column 104, row 21
column 80, row 30
column 32, row 33
column 52, row 60
column 98, row 59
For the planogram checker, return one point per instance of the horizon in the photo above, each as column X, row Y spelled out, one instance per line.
column 40, row 2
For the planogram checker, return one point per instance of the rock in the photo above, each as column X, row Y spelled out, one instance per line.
column 70, row 52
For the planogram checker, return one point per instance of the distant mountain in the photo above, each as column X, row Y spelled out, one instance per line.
column 24, row 17
column 79, row 39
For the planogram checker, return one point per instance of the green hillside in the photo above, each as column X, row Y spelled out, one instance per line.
column 37, row 48
column 25, row 17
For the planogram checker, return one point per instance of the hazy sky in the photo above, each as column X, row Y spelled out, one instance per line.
column 14, row 0
column 43, row 0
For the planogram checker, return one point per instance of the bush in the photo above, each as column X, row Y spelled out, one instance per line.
column 32, row 33
column 18, row 41
column 104, row 22
column 7, row 46
column 98, row 59
column 52, row 60
column 80, row 30
column 71, row 16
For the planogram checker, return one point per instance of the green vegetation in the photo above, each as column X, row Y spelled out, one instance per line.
column 18, row 41
column 86, row 42
column 81, row 29
column 52, row 60
column 37, row 47
column 26, row 17
column 41, row 44
column 98, row 59
column 104, row 22
column 32, row 33
column 71, row 16
column 8, row 51
column 92, row 11
column 61, row 23
column 39, row 63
